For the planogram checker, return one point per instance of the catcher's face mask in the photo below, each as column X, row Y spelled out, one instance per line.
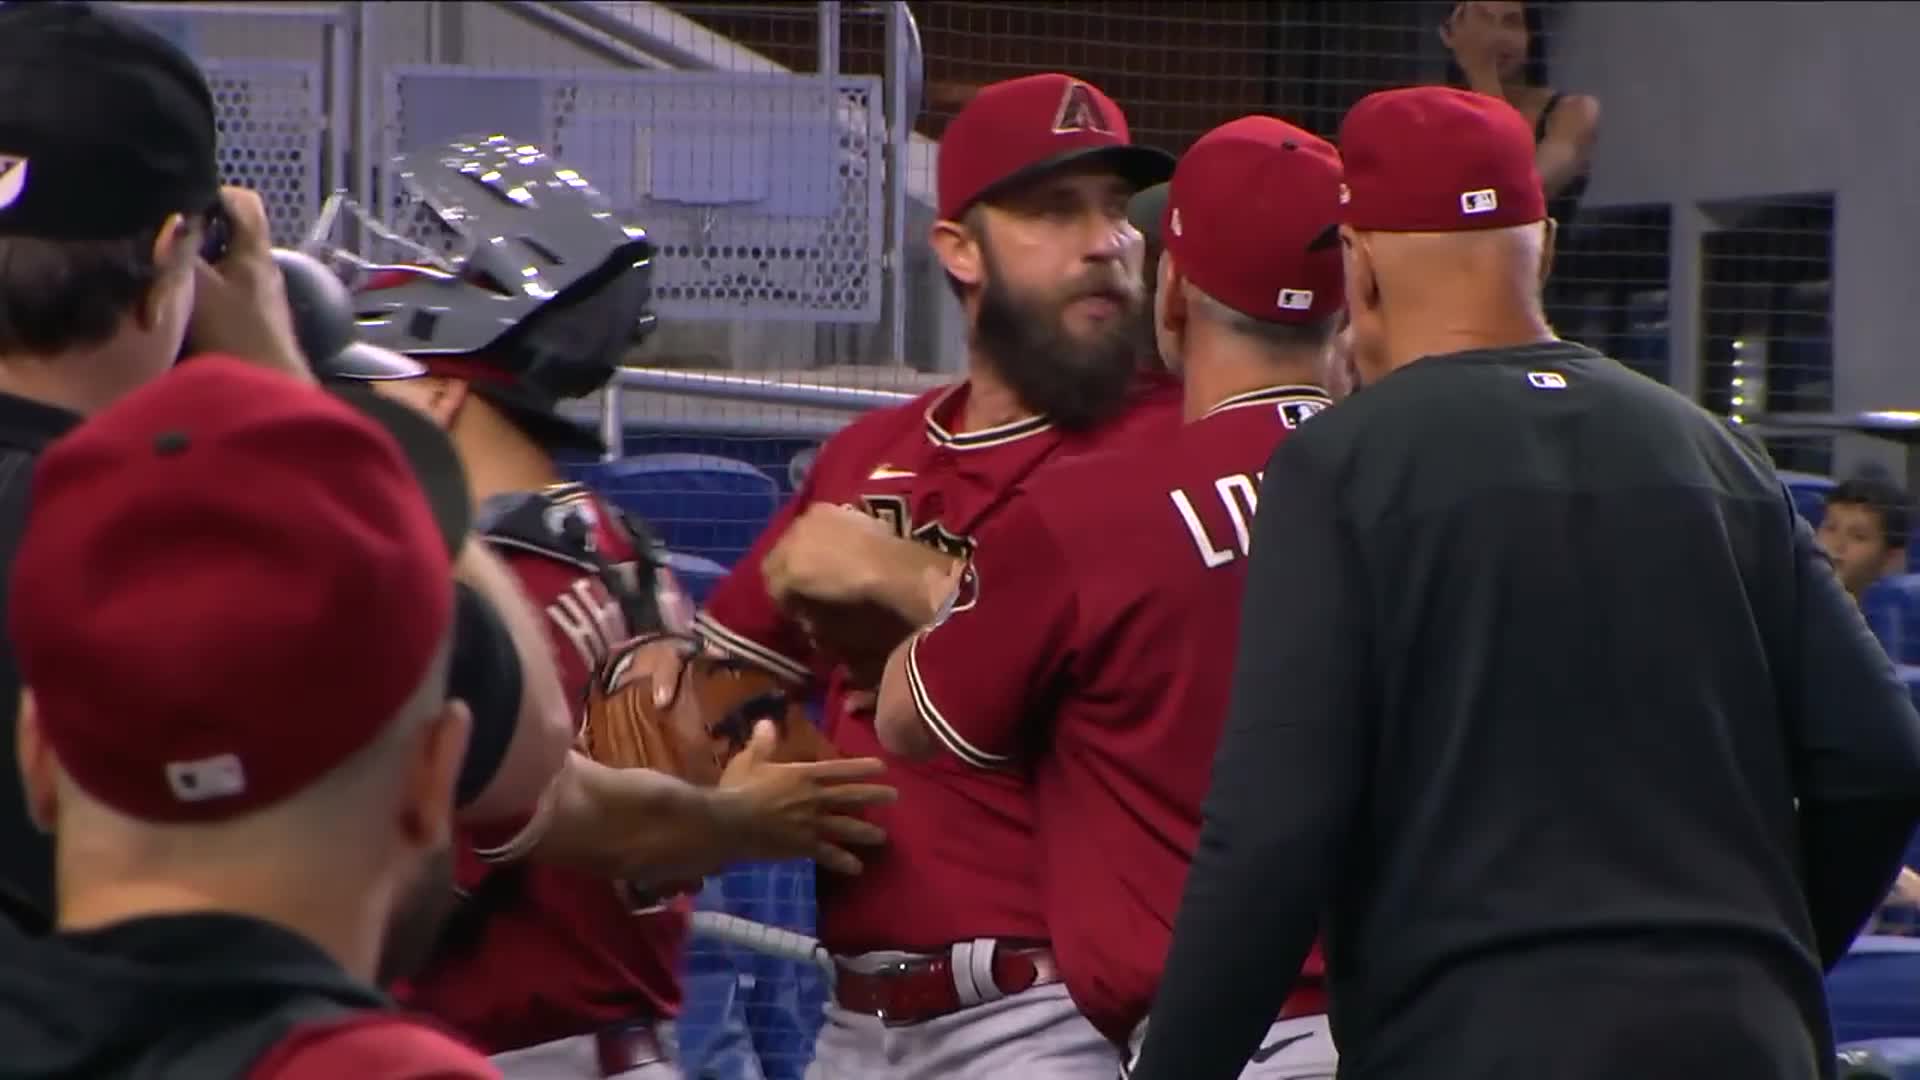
column 491, row 248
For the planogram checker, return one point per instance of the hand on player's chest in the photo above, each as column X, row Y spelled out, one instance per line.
column 829, row 554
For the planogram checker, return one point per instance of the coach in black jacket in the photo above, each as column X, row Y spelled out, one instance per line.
column 1545, row 698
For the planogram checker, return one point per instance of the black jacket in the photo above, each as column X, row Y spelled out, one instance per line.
column 201, row 996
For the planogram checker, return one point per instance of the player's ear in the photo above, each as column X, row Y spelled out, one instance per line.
column 1549, row 243
column 173, row 253
column 1356, row 256
column 432, row 773
column 39, row 773
column 445, row 401
column 958, row 251
column 1170, row 295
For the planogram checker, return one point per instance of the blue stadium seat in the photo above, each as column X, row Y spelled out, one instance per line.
column 699, row 504
column 1892, row 608
column 1872, row 992
column 696, row 575
column 1880, row 1059
column 774, row 453
column 1809, row 493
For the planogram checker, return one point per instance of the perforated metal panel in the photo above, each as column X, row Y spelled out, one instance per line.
column 271, row 120
column 763, row 191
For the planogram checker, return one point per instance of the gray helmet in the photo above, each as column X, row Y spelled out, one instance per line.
column 511, row 269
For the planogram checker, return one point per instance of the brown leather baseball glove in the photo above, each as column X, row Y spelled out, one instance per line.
column 712, row 715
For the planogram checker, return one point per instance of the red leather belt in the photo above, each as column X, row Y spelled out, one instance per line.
column 923, row 988
column 628, row 1047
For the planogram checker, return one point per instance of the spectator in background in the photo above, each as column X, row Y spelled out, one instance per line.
column 1498, row 50
column 1864, row 531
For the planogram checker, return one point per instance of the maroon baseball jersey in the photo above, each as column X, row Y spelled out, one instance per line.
column 562, row 954
column 961, row 858
column 1091, row 645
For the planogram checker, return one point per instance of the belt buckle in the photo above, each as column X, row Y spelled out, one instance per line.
column 883, row 974
column 625, row 1047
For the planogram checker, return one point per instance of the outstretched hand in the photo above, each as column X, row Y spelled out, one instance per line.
column 799, row 810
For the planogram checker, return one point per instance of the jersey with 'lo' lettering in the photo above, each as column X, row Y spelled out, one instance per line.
column 961, row 859
column 1092, row 645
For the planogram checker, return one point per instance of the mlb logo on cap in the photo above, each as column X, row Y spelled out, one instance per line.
column 1484, row 201
column 209, row 778
column 1438, row 159
column 1251, row 205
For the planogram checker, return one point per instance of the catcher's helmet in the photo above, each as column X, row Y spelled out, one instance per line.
column 535, row 287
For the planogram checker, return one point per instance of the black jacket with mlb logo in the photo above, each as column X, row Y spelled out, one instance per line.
column 1547, row 700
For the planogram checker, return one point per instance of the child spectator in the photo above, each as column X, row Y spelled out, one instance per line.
column 1865, row 530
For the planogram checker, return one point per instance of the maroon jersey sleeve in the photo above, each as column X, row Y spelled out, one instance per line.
column 740, row 616
column 978, row 672
column 378, row 1046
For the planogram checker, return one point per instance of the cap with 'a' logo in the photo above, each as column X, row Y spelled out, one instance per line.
column 1252, row 220
column 1021, row 129
column 1438, row 159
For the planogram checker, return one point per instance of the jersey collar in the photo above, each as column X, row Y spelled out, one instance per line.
column 949, row 404
column 1268, row 395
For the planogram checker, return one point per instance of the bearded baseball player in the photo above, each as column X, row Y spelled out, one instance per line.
column 547, row 964
column 944, row 964
column 1089, row 645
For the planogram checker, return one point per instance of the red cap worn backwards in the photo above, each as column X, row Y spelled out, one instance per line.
column 1438, row 159
column 229, row 583
column 1251, row 220
column 1016, row 130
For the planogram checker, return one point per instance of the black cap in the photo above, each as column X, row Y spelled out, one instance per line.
column 106, row 127
column 1146, row 208
column 429, row 451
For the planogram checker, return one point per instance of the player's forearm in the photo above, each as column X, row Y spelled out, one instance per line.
column 635, row 825
column 545, row 726
column 896, row 719
column 1560, row 162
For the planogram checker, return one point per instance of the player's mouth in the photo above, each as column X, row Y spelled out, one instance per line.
column 1103, row 304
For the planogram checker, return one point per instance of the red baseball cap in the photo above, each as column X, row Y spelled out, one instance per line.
column 1438, row 159
column 1016, row 130
column 1251, row 220
column 228, row 584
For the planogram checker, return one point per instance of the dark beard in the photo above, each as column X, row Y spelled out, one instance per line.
column 418, row 917
column 1074, row 383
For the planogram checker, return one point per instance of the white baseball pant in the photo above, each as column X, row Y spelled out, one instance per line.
column 1297, row 1049
column 1036, row 1034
